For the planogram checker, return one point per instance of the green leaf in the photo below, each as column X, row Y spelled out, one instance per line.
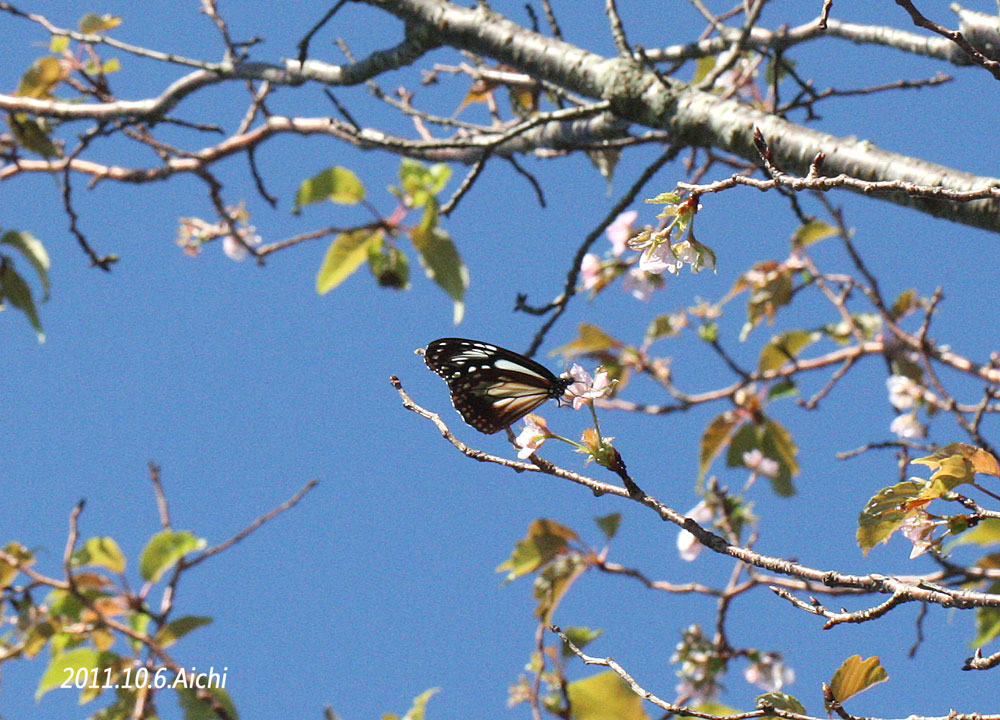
column 390, row 267
column 197, row 709
column 92, row 23
column 770, row 288
column 65, row 605
column 546, row 539
column 774, row 442
column 812, row 231
column 987, row 532
column 164, row 550
column 885, row 512
column 106, row 661
column 102, row 552
column 709, row 332
column 58, row 44
column 905, row 303
column 438, row 176
column 665, row 198
column 604, row 696
column 33, row 134
column 416, row 711
column 745, row 439
column 782, row 388
column 138, row 621
column 609, row 524
column 443, row 265
column 704, row 66
column 9, row 572
column 37, row 636
column 987, row 620
column 73, row 660
column 783, row 348
column 781, row 701
column 33, row 250
column 669, row 325
column 336, row 184
column 345, row 255
column 777, row 444
column 856, row 675
column 106, row 68
column 579, row 636
column 176, row 629
column 554, row 581
column 422, row 231
column 842, row 332
column 416, row 180
column 14, row 289
column 591, row 339
column 120, row 709
column 714, row 438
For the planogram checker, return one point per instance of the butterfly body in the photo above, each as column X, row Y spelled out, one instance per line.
column 491, row 387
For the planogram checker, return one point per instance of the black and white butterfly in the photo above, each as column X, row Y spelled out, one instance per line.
column 492, row 388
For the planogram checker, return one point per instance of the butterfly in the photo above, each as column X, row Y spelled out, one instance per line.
column 492, row 388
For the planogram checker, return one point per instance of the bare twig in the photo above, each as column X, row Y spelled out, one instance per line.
column 161, row 498
column 242, row 534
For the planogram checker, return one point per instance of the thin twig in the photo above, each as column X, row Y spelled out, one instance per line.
column 242, row 534
column 161, row 497
column 304, row 42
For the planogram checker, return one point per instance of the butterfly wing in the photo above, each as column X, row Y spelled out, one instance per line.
column 491, row 387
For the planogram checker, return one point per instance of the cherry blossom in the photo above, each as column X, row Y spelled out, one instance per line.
column 620, row 230
column 586, row 388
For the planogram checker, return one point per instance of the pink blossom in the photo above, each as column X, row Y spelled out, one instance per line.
column 918, row 529
column 659, row 257
column 695, row 692
column 698, row 256
column 620, row 231
column 638, row 284
column 687, row 544
column 237, row 250
column 903, row 391
column 755, row 460
column 590, row 270
column 586, row 388
column 769, row 673
column 907, row 426
column 535, row 432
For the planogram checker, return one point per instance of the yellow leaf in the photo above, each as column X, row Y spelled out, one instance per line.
column 41, row 78
column 480, row 91
column 856, row 675
column 714, row 439
column 591, row 339
column 812, row 231
column 92, row 23
column 604, row 697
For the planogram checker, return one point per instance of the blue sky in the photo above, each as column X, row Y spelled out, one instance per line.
column 244, row 385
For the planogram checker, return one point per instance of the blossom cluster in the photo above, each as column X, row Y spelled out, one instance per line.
column 657, row 255
column 904, row 395
column 237, row 237
column 584, row 389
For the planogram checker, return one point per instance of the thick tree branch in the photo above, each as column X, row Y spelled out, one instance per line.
column 693, row 117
